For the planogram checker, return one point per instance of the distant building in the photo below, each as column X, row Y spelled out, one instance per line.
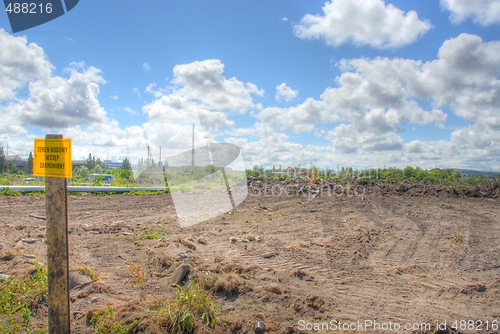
column 79, row 163
column 20, row 163
column 113, row 164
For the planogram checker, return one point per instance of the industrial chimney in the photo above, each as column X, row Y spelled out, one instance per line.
column 192, row 151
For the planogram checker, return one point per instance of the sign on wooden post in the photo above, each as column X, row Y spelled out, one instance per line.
column 52, row 159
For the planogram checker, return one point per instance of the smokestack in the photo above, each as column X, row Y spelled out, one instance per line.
column 192, row 151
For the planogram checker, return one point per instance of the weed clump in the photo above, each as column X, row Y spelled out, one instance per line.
column 105, row 322
column 20, row 298
column 87, row 271
column 458, row 239
column 193, row 303
column 136, row 275
column 152, row 234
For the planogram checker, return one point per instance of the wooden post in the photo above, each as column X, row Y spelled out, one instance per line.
column 56, row 207
column 227, row 187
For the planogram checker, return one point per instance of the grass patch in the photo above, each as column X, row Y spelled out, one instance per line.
column 144, row 192
column 105, row 322
column 36, row 194
column 152, row 234
column 249, row 237
column 9, row 192
column 259, row 219
column 20, row 298
column 192, row 304
column 458, row 239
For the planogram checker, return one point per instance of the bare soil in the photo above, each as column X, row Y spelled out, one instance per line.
column 390, row 254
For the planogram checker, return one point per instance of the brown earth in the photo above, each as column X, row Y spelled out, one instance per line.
column 405, row 253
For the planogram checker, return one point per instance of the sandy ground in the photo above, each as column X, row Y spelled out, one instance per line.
column 380, row 258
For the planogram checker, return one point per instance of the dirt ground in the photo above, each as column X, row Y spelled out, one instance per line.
column 338, row 257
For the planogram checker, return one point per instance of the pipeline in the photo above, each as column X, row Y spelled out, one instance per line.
column 86, row 189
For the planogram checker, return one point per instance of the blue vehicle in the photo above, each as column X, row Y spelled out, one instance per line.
column 106, row 178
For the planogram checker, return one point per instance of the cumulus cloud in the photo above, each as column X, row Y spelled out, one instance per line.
column 102, row 139
column 483, row 12
column 285, row 93
column 10, row 124
column 20, row 63
column 300, row 118
column 158, row 92
column 146, row 66
column 205, row 82
column 363, row 22
column 465, row 76
column 272, row 148
column 377, row 96
column 201, row 92
column 180, row 108
column 351, row 138
column 58, row 102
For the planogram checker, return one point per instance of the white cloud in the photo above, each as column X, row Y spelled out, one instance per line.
column 102, row 139
column 157, row 92
column 58, row 102
column 273, row 147
column 378, row 96
column 130, row 111
column 365, row 113
column 285, row 93
column 204, row 81
column 146, row 67
column 301, row 118
column 241, row 132
column 114, row 97
column 483, row 12
column 180, row 108
column 465, row 76
column 10, row 124
column 353, row 138
column 284, row 19
column 201, row 92
column 363, row 22
column 20, row 63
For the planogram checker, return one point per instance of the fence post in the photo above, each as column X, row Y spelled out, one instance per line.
column 56, row 208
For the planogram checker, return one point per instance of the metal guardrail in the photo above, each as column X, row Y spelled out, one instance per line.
column 104, row 189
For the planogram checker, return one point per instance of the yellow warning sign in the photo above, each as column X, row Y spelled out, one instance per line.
column 52, row 158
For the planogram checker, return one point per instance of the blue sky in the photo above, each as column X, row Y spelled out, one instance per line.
column 348, row 82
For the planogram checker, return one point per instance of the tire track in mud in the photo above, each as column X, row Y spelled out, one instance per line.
column 281, row 263
column 418, row 243
column 480, row 242
column 361, row 297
